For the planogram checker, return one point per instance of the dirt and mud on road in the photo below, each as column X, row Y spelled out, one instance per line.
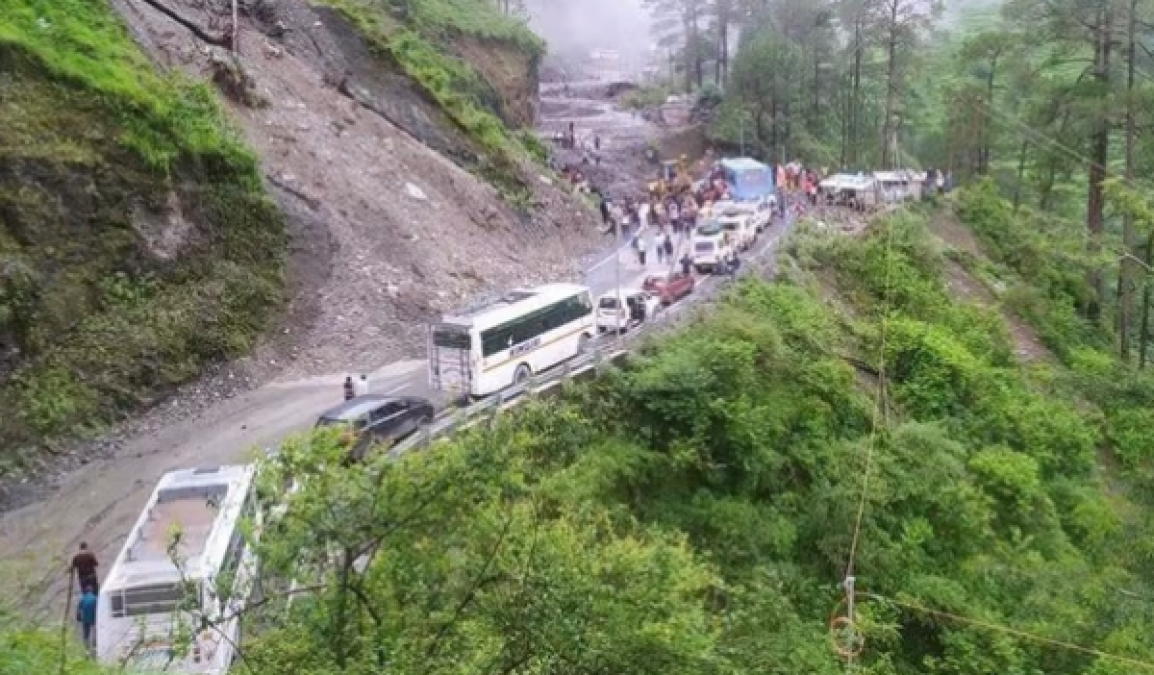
column 99, row 495
column 625, row 136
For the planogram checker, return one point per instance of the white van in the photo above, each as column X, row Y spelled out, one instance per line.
column 761, row 211
column 625, row 308
column 740, row 228
column 712, row 246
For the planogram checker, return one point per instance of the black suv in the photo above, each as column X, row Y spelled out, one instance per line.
column 376, row 419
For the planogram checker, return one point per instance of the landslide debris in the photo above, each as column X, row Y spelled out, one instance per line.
column 395, row 136
column 137, row 243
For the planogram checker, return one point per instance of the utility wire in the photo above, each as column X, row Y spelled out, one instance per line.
column 879, row 420
column 1026, row 635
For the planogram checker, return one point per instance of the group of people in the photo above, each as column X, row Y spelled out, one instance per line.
column 590, row 146
column 84, row 566
column 355, row 388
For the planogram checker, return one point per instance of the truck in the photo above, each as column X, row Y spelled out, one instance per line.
column 750, row 181
column 740, row 227
column 712, row 246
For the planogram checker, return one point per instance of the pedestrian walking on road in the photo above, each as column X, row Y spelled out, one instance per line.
column 350, row 388
column 362, row 386
column 86, row 617
column 668, row 246
column 640, row 246
column 84, row 564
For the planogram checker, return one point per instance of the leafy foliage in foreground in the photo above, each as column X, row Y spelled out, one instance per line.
column 693, row 513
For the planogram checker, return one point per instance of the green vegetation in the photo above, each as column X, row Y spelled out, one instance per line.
column 1040, row 264
column 694, row 511
column 645, row 97
column 136, row 242
column 423, row 36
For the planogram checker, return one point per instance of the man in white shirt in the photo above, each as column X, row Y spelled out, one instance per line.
column 362, row 385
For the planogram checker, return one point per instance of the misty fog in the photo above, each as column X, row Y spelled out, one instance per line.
column 574, row 28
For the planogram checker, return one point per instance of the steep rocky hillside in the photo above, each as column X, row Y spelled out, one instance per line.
column 136, row 241
column 380, row 170
column 393, row 135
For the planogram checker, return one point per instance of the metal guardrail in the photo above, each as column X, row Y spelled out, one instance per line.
column 602, row 352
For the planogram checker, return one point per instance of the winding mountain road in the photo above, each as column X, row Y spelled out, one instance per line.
column 100, row 501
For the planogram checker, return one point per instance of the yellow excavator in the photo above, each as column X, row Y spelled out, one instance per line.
column 673, row 179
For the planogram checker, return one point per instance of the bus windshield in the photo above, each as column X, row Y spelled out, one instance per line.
column 755, row 181
column 451, row 339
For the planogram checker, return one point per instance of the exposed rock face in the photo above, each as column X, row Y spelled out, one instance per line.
column 130, row 255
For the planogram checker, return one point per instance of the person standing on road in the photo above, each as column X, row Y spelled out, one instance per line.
column 350, row 388
column 667, row 246
column 86, row 617
column 84, row 563
column 686, row 264
column 362, row 386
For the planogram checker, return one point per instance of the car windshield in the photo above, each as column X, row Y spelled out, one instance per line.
column 356, row 425
column 607, row 303
column 703, row 246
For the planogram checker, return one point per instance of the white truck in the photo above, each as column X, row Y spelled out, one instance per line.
column 740, row 228
column 712, row 246
column 760, row 211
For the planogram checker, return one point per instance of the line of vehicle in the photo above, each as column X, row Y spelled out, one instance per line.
column 452, row 419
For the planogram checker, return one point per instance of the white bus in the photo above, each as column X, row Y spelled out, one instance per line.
column 185, row 552
column 484, row 350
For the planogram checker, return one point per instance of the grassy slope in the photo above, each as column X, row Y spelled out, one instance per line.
column 420, row 40
column 88, row 132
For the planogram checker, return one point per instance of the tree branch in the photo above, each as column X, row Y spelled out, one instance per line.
column 472, row 592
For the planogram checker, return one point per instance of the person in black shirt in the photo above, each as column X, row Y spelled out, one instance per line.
column 84, row 564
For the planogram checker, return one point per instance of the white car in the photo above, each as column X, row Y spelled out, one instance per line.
column 625, row 308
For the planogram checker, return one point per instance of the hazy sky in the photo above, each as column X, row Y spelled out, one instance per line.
column 591, row 24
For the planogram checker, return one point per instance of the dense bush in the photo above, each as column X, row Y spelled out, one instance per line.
column 694, row 511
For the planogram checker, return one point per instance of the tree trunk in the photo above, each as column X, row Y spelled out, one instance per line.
column 854, row 134
column 985, row 151
column 891, row 85
column 1100, row 155
column 1126, row 271
column 1021, row 175
column 1144, row 329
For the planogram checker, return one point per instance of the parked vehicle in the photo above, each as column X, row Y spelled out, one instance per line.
column 740, row 228
column 669, row 287
column 484, row 349
column 761, row 211
column 160, row 592
column 625, row 308
column 712, row 246
column 375, row 419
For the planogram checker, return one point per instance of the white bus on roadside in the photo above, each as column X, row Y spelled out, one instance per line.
column 186, row 564
column 486, row 349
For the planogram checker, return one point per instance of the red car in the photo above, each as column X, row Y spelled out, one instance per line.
column 669, row 286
